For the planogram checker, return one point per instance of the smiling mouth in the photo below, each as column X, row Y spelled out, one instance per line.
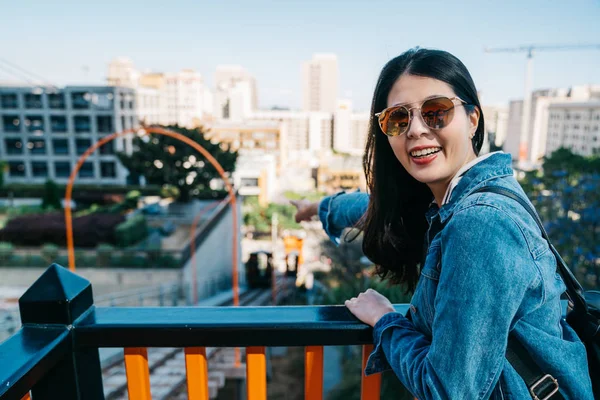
column 425, row 152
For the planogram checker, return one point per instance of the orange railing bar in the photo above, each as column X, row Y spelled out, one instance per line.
column 26, row 397
column 138, row 374
column 175, row 135
column 313, row 373
column 370, row 386
column 256, row 373
column 196, row 368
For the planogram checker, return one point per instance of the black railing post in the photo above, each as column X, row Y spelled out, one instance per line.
column 60, row 297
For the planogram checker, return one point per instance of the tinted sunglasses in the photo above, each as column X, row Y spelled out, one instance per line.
column 436, row 112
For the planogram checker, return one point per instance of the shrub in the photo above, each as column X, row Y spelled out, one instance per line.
column 104, row 254
column 6, row 252
column 131, row 231
column 49, row 253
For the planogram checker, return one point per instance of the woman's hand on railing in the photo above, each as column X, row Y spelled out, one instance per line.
column 305, row 209
column 369, row 306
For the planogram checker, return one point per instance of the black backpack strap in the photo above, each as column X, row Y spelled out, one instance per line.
column 541, row 386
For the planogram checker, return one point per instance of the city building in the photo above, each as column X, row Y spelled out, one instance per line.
column 122, row 72
column 574, row 125
column 45, row 130
column 539, row 119
column 350, row 129
column 256, row 175
column 175, row 98
column 183, row 98
column 235, row 96
column 340, row 172
column 320, row 83
column 496, row 123
column 304, row 131
column 253, row 137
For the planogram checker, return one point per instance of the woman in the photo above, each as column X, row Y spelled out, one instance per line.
column 487, row 271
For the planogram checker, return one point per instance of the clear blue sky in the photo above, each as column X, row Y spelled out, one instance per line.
column 56, row 39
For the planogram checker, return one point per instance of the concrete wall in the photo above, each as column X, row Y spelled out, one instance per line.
column 104, row 280
column 213, row 258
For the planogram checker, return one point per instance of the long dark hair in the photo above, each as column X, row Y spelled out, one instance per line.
column 395, row 225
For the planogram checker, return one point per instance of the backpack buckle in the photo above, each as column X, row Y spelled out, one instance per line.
column 541, row 381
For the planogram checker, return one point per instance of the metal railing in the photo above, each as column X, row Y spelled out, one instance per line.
column 55, row 353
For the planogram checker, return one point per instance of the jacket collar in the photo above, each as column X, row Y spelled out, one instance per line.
column 495, row 166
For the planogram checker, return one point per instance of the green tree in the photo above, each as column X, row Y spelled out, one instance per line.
column 52, row 196
column 260, row 217
column 163, row 160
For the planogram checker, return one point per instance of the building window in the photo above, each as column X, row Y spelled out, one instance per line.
column 107, row 148
column 103, row 101
column 9, row 100
column 11, row 123
column 81, row 100
column 82, row 124
column 87, row 170
column 123, row 123
column 33, row 100
column 58, row 123
column 34, row 124
column 104, row 123
column 13, row 146
column 16, row 169
column 39, row 169
column 108, row 169
column 60, row 146
column 56, row 101
column 37, row 146
column 82, row 145
column 132, row 123
column 62, row 169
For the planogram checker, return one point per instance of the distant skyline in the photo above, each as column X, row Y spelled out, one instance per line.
column 71, row 42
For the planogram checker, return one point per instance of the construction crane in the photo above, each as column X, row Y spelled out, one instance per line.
column 530, row 50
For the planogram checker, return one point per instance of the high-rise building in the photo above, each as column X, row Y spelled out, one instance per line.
column 235, row 93
column 183, row 95
column 45, row 130
column 320, row 83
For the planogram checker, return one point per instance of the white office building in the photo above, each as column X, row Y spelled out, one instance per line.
column 574, row 125
column 44, row 131
column 235, row 96
column 350, row 129
column 537, row 132
column 320, row 83
column 174, row 98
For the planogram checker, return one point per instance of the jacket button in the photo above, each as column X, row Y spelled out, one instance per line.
column 413, row 309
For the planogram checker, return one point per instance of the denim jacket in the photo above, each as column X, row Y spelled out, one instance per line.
column 488, row 272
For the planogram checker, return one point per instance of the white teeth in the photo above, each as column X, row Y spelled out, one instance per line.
column 424, row 152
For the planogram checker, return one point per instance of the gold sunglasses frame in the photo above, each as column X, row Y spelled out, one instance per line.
column 383, row 113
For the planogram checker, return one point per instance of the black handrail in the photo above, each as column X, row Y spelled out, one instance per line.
column 55, row 354
column 28, row 355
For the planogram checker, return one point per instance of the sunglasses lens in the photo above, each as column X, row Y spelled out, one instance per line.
column 437, row 113
column 395, row 122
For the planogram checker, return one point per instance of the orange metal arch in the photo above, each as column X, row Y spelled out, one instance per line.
column 175, row 135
